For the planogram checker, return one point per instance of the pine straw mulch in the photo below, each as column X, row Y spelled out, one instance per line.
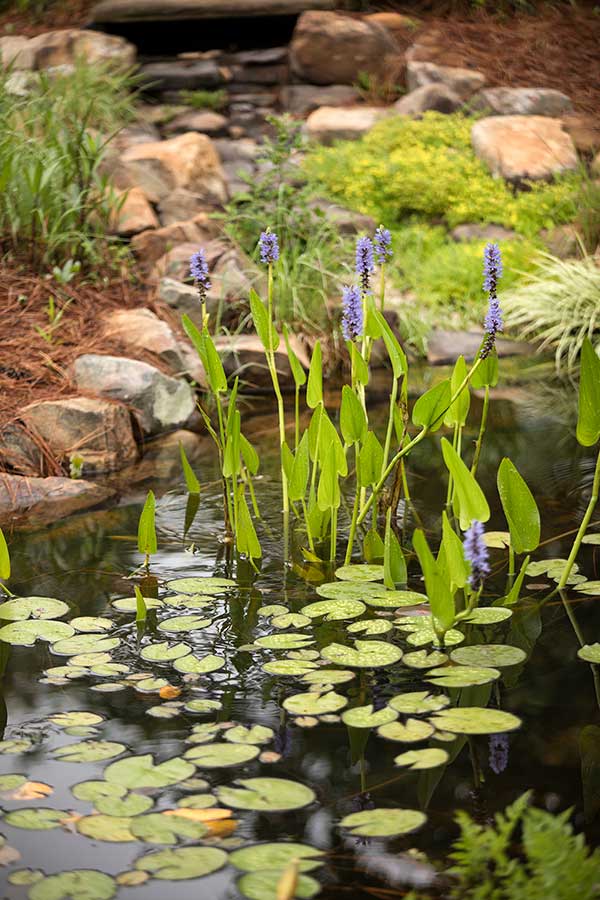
column 57, row 14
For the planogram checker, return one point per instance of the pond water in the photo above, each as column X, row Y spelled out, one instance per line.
column 86, row 560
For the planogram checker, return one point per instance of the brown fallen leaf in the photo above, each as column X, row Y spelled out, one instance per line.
column 32, row 790
column 169, row 692
column 269, row 756
column 132, row 879
column 222, row 828
column 200, row 815
column 68, row 823
column 306, row 721
column 9, row 855
column 287, row 884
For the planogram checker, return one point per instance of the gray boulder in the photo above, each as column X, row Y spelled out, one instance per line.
column 436, row 97
column 502, row 101
column 463, row 82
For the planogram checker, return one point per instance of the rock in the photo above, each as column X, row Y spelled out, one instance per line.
column 183, row 206
column 585, row 132
column 65, row 47
column 243, row 355
column 478, row 232
column 46, row 500
column 135, row 215
column 502, row 101
column 138, row 133
column 435, row 97
column 111, row 11
column 188, row 161
column 244, row 150
column 264, row 57
column 596, row 165
column 183, row 298
column 20, row 453
column 444, row 347
column 162, row 459
column 149, row 246
column 300, row 99
column 175, row 263
column 16, row 53
column 97, row 430
column 399, row 25
column 141, row 329
column 162, row 403
column 562, row 241
column 328, row 48
column 523, row 147
column 256, row 75
column 201, row 120
column 463, row 82
column 180, row 75
column 337, row 123
column 346, row 221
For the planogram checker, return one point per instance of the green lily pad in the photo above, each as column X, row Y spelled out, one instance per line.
column 276, row 857
column 150, row 685
column 424, row 659
column 197, row 801
column 66, row 672
column 489, row 615
column 591, row 539
column 334, row 610
column 203, row 706
column 311, row 655
column 370, row 627
column 360, row 572
column 16, row 745
column 89, row 751
column 427, row 635
column 25, row 634
column 41, row 818
column 68, row 719
column 418, row 702
column 87, row 660
column 552, row 567
column 351, row 590
column 591, row 588
column 289, row 641
column 365, row 654
column 164, row 652
column 475, row 720
column 106, row 828
column 590, row 653
column 109, row 670
column 397, row 599
column 328, row 676
column 141, row 772
column 129, row 604
column 93, row 791
column 202, row 734
column 81, row 731
column 256, row 734
column 91, row 624
column 200, row 585
column 25, row 877
column 408, row 732
column 198, row 665
column 290, row 620
column 21, row 608
column 164, row 711
column 11, row 782
column 289, row 667
column 221, row 755
column 84, row 643
column 266, row 794
column 80, row 884
column 498, row 540
column 124, row 807
column 157, row 828
column 180, row 624
column 272, row 609
column 191, row 601
column 365, row 717
column 488, row 655
column 194, row 783
column 462, row 676
column 314, row 704
column 429, row 758
column 183, row 862
column 263, row 885
column 383, row 822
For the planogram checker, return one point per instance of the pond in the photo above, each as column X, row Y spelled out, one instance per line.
column 139, row 705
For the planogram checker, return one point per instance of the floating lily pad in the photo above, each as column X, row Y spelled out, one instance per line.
column 289, row 667
column 475, row 720
column 221, row 755
column 16, row 745
column 41, row 819
column 289, row 641
column 591, row 588
column 430, row 758
column 129, row 604
column 11, row 782
column 427, row 635
column 408, row 732
column 383, row 822
column 266, row 794
column 360, row 572
column 498, row 540
column 256, row 734
column 25, row 634
column 127, row 806
column 276, row 856
column 488, row 655
column 328, row 676
column 198, row 665
column 204, row 733
column 93, row 791
column 272, row 609
column 364, row 654
column 370, row 627
column 150, row 685
column 489, row 615
column 184, row 862
column 91, row 624
column 590, row 653
column 66, row 672
column 351, row 590
column 197, row 801
column 89, row 751
column 109, row 670
column 191, row 601
column 551, row 567
column 80, row 884
column 365, row 717
column 68, row 719
column 290, row 620
column 84, row 643
column 25, row 877
column 109, row 687
column 164, row 711
column 462, row 676
column 334, row 610
column 99, row 827
column 314, row 704
column 264, row 885
column 157, row 828
column 164, row 652
column 131, row 879
column 203, row 706
column 200, row 585
column 87, row 660
column 304, row 654
column 180, row 624
column 141, row 772
column 418, row 702
column 21, row 608
column 397, row 599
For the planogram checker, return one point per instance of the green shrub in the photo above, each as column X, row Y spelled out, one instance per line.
column 215, row 100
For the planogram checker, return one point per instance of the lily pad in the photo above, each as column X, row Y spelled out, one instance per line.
column 129, row 604
column 364, row 655
column 462, row 676
column 324, row 675
column 16, row 745
column 272, row 609
column 360, row 572
column 256, row 734
column 408, row 732
column 202, row 734
column 99, row 827
column 203, row 706
column 475, row 720
column 41, row 818
column 89, row 751
column 198, row 665
column 276, row 856
column 197, row 801
column 591, row 588
column 127, row 806
column 93, row 791
column 80, row 884
column 370, row 627
column 264, row 885
column 189, row 601
column 25, row 634
column 157, row 828
column 383, row 822
column 429, row 758
column 397, row 599
column 488, row 655
column 266, row 794
column 314, row 704
column 289, row 667
column 84, row 643
column 489, row 615
column 365, row 717
column 164, row 652
column 181, row 863
column 290, row 620
column 351, row 590
column 334, row 610
column 221, row 755
column 109, row 670
column 180, row 624
column 91, row 624
column 141, row 772
column 200, row 585
column 418, row 702
column 25, row 877
column 290, row 641
column 590, row 653
column 21, row 608
column 11, row 782
column 427, row 635
column 68, row 719
column 150, row 685
column 498, row 540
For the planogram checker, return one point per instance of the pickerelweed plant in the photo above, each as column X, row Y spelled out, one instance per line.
column 340, row 468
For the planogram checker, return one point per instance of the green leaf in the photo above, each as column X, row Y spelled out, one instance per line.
column 497, row 655
column 429, row 409
column 486, row 374
column 266, row 794
column 141, row 772
column 459, row 410
column 260, row 316
column 451, row 559
column 192, row 483
column 202, row 585
column 221, row 755
column 246, row 537
column 590, row 653
column 276, row 856
column 183, row 862
column 147, row 543
column 475, row 720
column 300, row 471
column 519, row 507
column 252, row 734
column 471, row 499
column 196, row 665
column 249, row 455
column 328, row 492
column 408, row 732
column 370, row 461
column 164, row 651
column 588, row 421
column 429, row 758
column 314, row 388
column 298, row 373
column 79, row 884
column 353, row 420
column 156, row 828
column 366, row 717
column 461, row 676
column 365, row 654
column 383, row 822
column 89, row 751
column 265, row 885
column 417, row 703
column 25, row 634
column 115, row 829
column 334, row 610
column 141, row 610
column 394, row 563
column 21, row 608
column 440, row 596
column 394, row 350
column 231, row 455
column 41, row 818
column 4, row 557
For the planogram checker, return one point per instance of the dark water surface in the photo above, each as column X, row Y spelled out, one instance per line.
column 85, row 561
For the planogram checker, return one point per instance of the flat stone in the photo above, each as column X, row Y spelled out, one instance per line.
column 328, row 48
column 19, row 453
column 502, row 101
column 276, row 74
column 96, row 430
column 39, row 501
column 151, row 245
column 346, row 221
column 479, row 232
column 463, row 82
column 243, row 355
column 64, row 47
column 336, row 123
column 16, row 52
column 265, row 57
column 161, row 458
column 201, row 120
column 181, row 74
column 524, row 147
column 141, row 329
column 183, row 206
column 183, row 298
column 155, row 10
column 162, row 403
column 244, row 150
column 135, row 215
column 138, row 133
column 444, row 347
column 301, row 99
column 436, row 97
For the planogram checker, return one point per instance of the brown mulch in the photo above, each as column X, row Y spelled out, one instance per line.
column 59, row 14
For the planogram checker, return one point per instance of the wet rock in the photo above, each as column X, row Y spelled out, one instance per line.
column 345, row 221
column 182, row 74
column 463, row 82
column 65, row 47
column 201, row 120
column 135, row 215
column 336, row 123
column 523, row 147
column 301, row 99
column 479, row 232
column 19, row 452
column 251, row 75
column 444, row 347
column 150, row 246
column 562, row 241
column 97, row 430
column 141, row 329
column 265, row 57
column 502, row 101
column 161, row 403
column 46, row 500
column 188, row 161
column 437, row 97
column 161, row 458
column 147, row 10
column 328, row 48
column 243, row 355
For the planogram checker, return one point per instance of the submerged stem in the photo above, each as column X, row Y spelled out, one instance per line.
column 484, row 415
column 583, row 527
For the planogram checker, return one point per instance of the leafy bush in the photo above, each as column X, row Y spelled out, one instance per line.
column 215, row 100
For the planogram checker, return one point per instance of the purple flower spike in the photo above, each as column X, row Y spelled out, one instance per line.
column 492, row 272
column 269, row 247
column 498, row 752
column 352, row 319
column 199, row 272
column 383, row 244
column 476, row 552
column 365, row 263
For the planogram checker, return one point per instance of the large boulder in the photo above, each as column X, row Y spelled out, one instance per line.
column 399, row 25
column 244, row 355
column 97, row 430
column 437, row 97
column 328, row 48
column 182, row 298
column 151, row 245
column 521, row 148
column 463, row 82
column 444, row 347
column 112, row 11
column 503, row 101
column 345, row 221
column 204, row 121
column 341, row 123
column 67, row 46
column 140, row 330
column 301, row 99
column 188, row 161
column 16, row 52
column 134, row 215
column 46, row 500
column 162, row 403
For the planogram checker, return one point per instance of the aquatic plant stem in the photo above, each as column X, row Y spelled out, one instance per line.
column 582, row 642
column 479, row 442
column 229, row 519
column 6, row 590
column 333, row 535
column 389, row 468
column 270, row 354
column 582, row 528
column 355, row 511
column 390, row 425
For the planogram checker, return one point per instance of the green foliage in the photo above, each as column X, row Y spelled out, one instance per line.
column 147, row 543
column 588, row 421
column 215, row 100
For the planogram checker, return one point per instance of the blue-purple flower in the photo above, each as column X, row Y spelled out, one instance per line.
column 365, row 263
column 352, row 318
column 492, row 272
column 498, row 752
column 199, row 272
column 476, row 552
column 383, row 244
column 269, row 247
